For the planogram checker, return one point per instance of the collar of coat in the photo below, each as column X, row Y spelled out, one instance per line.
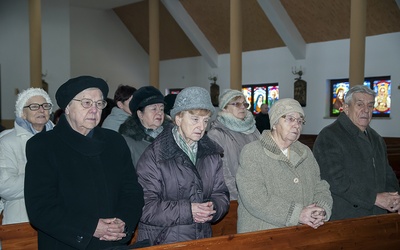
column 133, row 128
column 89, row 146
column 167, row 148
column 274, row 151
column 345, row 121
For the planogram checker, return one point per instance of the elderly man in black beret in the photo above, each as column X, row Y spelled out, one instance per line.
column 81, row 189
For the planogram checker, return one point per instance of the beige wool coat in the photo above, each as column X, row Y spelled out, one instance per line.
column 273, row 190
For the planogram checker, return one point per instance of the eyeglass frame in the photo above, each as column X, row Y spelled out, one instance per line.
column 103, row 102
column 292, row 119
column 39, row 105
column 244, row 104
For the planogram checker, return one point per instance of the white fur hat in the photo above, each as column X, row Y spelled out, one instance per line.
column 25, row 95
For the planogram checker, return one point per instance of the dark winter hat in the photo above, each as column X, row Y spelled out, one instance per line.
column 74, row 86
column 145, row 96
column 192, row 98
column 169, row 103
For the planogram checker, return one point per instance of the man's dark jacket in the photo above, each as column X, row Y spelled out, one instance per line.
column 72, row 181
column 355, row 166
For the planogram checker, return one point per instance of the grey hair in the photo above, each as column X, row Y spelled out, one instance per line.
column 357, row 89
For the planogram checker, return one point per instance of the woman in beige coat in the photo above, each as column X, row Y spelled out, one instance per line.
column 278, row 178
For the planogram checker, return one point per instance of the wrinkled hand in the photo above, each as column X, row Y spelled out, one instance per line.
column 111, row 229
column 389, row 201
column 313, row 215
column 203, row 212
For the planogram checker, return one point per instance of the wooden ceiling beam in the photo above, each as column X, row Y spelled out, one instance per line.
column 192, row 31
column 285, row 27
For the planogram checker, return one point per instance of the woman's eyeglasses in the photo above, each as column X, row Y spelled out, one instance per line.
column 239, row 104
column 88, row 103
column 36, row 106
column 290, row 119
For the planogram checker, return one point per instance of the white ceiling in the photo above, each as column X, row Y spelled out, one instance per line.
column 101, row 4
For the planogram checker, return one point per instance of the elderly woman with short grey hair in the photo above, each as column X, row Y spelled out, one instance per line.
column 181, row 175
column 278, row 178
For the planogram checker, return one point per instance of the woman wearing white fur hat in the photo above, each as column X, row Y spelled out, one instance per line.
column 32, row 110
column 279, row 179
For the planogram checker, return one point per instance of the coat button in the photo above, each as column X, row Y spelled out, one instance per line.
column 296, row 180
column 79, row 238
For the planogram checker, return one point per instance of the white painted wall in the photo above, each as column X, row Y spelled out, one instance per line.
column 80, row 41
column 14, row 48
column 102, row 46
column 324, row 61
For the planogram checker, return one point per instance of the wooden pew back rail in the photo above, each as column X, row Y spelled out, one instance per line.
column 373, row 232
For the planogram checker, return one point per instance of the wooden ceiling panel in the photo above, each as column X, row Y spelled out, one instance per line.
column 319, row 21
column 212, row 18
column 258, row 32
column 173, row 41
column 383, row 16
column 316, row 20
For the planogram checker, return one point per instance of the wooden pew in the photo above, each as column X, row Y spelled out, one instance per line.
column 23, row 237
column 19, row 236
column 371, row 232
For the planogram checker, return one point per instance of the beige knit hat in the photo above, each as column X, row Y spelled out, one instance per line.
column 227, row 95
column 283, row 107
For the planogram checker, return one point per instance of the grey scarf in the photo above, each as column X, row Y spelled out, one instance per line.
column 246, row 126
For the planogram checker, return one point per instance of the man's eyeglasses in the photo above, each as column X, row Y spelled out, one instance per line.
column 291, row 119
column 239, row 104
column 36, row 106
column 88, row 103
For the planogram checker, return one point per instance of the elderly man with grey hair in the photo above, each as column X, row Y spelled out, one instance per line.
column 353, row 159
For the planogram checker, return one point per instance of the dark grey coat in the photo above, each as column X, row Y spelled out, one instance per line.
column 133, row 132
column 355, row 166
column 171, row 182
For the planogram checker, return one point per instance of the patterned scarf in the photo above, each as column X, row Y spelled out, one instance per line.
column 246, row 126
column 190, row 150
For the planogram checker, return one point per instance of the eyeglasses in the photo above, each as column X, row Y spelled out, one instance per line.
column 239, row 104
column 88, row 103
column 291, row 119
column 36, row 106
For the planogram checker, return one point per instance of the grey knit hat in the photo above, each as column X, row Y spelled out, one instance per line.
column 192, row 98
column 25, row 95
column 283, row 107
column 227, row 95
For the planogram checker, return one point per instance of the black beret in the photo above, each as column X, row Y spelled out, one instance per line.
column 74, row 86
column 145, row 96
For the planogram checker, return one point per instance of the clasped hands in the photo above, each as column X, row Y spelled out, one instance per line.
column 313, row 215
column 203, row 212
column 389, row 201
column 111, row 229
